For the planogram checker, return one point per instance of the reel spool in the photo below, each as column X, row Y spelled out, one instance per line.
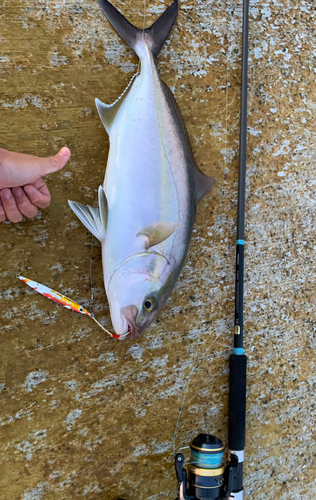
column 207, row 477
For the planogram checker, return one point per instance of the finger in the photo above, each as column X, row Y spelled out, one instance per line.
column 54, row 163
column 38, row 194
column 10, row 207
column 39, row 184
column 25, row 206
column 2, row 213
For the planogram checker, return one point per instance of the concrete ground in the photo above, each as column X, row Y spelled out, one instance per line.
column 86, row 416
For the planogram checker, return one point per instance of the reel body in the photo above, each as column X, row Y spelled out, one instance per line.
column 206, row 478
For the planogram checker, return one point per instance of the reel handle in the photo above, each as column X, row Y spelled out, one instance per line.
column 181, row 476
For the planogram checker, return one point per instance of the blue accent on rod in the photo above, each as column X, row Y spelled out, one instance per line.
column 240, row 242
column 238, row 350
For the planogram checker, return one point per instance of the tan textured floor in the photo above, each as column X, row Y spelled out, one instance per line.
column 85, row 416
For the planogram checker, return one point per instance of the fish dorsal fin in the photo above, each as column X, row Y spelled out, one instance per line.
column 108, row 112
column 90, row 217
column 103, row 208
column 157, row 232
column 203, row 183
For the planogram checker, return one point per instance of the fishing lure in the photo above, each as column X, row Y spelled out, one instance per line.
column 62, row 300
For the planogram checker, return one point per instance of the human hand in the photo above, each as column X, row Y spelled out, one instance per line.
column 23, row 173
column 23, row 201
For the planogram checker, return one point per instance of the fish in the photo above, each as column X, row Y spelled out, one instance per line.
column 148, row 200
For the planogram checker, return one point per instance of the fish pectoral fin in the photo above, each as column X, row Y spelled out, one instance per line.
column 108, row 112
column 158, row 232
column 203, row 183
column 90, row 217
column 103, row 208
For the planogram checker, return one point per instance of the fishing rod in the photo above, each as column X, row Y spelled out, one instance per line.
column 238, row 360
column 207, row 477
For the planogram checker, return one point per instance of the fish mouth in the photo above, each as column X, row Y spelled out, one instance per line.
column 129, row 315
column 131, row 329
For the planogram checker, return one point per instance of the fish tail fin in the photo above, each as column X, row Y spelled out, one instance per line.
column 158, row 32
column 154, row 36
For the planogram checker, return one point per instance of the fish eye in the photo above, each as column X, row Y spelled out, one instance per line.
column 150, row 304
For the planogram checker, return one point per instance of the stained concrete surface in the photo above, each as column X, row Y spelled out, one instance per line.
column 86, row 416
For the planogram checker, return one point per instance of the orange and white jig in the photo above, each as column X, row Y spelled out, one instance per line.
column 62, row 300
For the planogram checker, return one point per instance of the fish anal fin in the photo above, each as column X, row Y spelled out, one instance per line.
column 203, row 183
column 108, row 112
column 157, row 232
column 90, row 217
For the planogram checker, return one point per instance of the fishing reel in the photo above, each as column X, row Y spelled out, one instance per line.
column 206, row 477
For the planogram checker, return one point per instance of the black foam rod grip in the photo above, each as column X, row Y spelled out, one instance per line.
column 237, row 402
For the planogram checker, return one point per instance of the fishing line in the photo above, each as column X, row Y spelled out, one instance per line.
column 91, row 279
column 111, row 334
column 144, row 24
column 199, row 342
column 144, row 19
column 92, row 293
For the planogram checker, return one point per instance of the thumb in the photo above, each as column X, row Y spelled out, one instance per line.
column 54, row 163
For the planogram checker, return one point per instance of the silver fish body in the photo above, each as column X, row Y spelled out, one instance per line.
column 148, row 201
